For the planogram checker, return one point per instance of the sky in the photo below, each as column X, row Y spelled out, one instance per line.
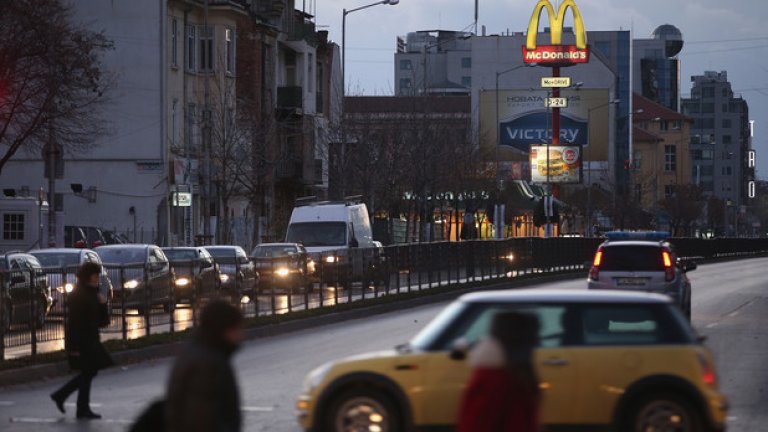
column 719, row 35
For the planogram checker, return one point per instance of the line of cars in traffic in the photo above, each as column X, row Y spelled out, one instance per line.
column 619, row 356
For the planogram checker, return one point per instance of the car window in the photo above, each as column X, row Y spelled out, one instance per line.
column 623, row 325
column 181, row 254
column 632, row 258
column 159, row 255
column 92, row 257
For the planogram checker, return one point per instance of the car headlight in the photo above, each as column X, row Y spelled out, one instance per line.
column 182, row 282
column 282, row 272
column 131, row 284
column 224, row 277
column 510, row 257
column 311, row 266
column 330, row 259
column 68, row 288
column 314, row 378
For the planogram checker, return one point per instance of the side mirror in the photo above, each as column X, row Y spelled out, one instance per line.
column 459, row 350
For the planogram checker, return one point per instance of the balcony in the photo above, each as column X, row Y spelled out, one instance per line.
column 290, row 100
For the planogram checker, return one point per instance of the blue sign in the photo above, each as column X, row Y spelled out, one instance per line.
column 535, row 127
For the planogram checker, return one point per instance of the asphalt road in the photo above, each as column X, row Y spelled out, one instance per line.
column 729, row 304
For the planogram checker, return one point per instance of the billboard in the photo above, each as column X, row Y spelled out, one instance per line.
column 523, row 121
column 563, row 166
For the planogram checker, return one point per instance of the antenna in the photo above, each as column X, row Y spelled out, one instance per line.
column 477, row 14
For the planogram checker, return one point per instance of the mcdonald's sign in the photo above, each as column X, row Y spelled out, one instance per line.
column 556, row 54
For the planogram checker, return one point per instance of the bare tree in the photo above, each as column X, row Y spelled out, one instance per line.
column 683, row 208
column 51, row 78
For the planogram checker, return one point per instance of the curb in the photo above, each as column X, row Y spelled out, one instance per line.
column 41, row 372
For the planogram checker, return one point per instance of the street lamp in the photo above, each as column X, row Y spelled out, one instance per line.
column 344, row 79
column 497, row 211
column 589, row 167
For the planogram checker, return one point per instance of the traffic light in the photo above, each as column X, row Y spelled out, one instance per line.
column 627, row 165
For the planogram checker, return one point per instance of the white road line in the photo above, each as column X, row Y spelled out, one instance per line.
column 94, row 405
column 710, row 325
column 35, row 420
column 257, row 409
column 7, row 403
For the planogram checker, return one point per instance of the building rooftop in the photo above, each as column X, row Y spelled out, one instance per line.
column 652, row 110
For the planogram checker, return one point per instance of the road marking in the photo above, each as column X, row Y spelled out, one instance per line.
column 710, row 325
column 94, row 405
column 7, row 403
column 35, row 420
column 257, row 409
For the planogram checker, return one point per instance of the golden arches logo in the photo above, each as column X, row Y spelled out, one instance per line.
column 556, row 21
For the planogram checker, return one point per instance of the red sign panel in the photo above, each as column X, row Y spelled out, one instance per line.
column 556, row 55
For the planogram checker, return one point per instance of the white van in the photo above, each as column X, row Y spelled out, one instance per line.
column 337, row 235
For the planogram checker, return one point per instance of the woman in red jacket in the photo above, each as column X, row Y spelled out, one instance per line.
column 503, row 392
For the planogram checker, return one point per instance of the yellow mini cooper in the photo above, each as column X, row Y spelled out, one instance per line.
column 607, row 360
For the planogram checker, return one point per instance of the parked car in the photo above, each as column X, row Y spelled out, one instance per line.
column 196, row 273
column 60, row 264
column 23, row 281
column 642, row 261
column 284, row 266
column 606, row 360
column 147, row 277
column 238, row 273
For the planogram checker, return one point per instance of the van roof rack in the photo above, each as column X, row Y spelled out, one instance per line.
column 304, row 201
column 353, row 199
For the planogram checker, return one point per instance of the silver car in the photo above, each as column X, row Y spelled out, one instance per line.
column 642, row 265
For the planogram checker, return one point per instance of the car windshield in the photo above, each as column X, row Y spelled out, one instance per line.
column 632, row 258
column 223, row 252
column 273, row 251
column 180, row 254
column 318, row 233
column 58, row 259
column 122, row 256
column 429, row 334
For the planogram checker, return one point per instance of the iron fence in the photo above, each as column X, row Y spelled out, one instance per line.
column 167, row 297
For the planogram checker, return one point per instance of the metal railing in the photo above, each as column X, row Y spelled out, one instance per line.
column 149, row 299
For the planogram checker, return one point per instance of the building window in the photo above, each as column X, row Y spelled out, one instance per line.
column 707, row 154
column 466, row 62
column 637, row 161
column 405, row 83
column 669, row 190
column 727, row 171
column 708, row 108
column 704, row 123
column 406, row 64
column 725, row 107
column 727, row 139
column 318, row 171
column 174, row 42
column 310, row 73
column 676, row 125
column 670, row 158
column 190, row 127
column 708, row 92
column 191, row 43
column 58, row 202
column 466, row 81
column 664, row 125
column 229, row 50
column 726, row 123
column 205, row 41
column 13, row 226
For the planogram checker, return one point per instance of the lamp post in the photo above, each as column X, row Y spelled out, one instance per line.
column 498, row 211
column 346, row 12
column 589, row 167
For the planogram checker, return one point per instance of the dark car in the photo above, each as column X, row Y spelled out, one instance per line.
column 238, row 274
column 142, row 274
column 284, row 266
column 196, row 272
column 60, row 264
column 23, row 281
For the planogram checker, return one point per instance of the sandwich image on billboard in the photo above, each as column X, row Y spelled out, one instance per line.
column 563, row 165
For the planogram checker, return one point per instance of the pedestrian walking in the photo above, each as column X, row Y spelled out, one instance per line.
column 503, row 392
column 202, row 392
column 88, row 312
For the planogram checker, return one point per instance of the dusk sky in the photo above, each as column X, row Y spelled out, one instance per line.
column 719, row 36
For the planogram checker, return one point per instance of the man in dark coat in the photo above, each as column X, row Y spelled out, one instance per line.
column 202, row 392
column 87, row 312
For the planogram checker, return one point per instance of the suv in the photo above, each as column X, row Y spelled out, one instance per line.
column 144, row 275
column 22, row 280
column 642, row 262
column 238, row 273
column 196, row 273
column 283, row 265
column 605, row 360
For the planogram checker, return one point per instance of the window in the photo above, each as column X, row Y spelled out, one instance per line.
column 13, row 226
column 676, row 125
column 405, row 83
column 310, row 73
column 318, row 171
column 190, row 128
column 707, row 154
column 638, row 160
column 727, row 171
column 727, row 139
column 174, row 42
column 708, row 108
column 191, row 43
column 726, row 123
column 725, row 92
column 708, row 92
column 58, row 202
column 229, row 50
column 670, row 158
column 620, row 325
column 466, row 81
column 406, row 64
column 704, row 123
column 205, row 41
column 664, row 125
column 466, row 62
column 669, row 190
column 725, row 107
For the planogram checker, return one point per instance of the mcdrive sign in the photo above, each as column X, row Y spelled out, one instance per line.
column 534, row 127
column 556, row 54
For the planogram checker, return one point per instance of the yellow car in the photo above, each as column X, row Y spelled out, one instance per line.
column 607, row 360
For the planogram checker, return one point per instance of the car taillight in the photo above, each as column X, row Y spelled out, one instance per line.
column 669, row 268
column 708, row 374
column 594, row 272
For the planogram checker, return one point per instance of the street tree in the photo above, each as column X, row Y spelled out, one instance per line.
column 683, row 207
column 52, row 81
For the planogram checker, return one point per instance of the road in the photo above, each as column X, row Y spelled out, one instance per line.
column 729, row 304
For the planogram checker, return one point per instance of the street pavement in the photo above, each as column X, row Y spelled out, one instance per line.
column 729, row 304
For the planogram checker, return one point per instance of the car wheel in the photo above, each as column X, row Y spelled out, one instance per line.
column 663, row 412
column 362, row 410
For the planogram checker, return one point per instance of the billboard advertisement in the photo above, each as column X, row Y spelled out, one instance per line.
column 523, row 121
column 563, row 166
